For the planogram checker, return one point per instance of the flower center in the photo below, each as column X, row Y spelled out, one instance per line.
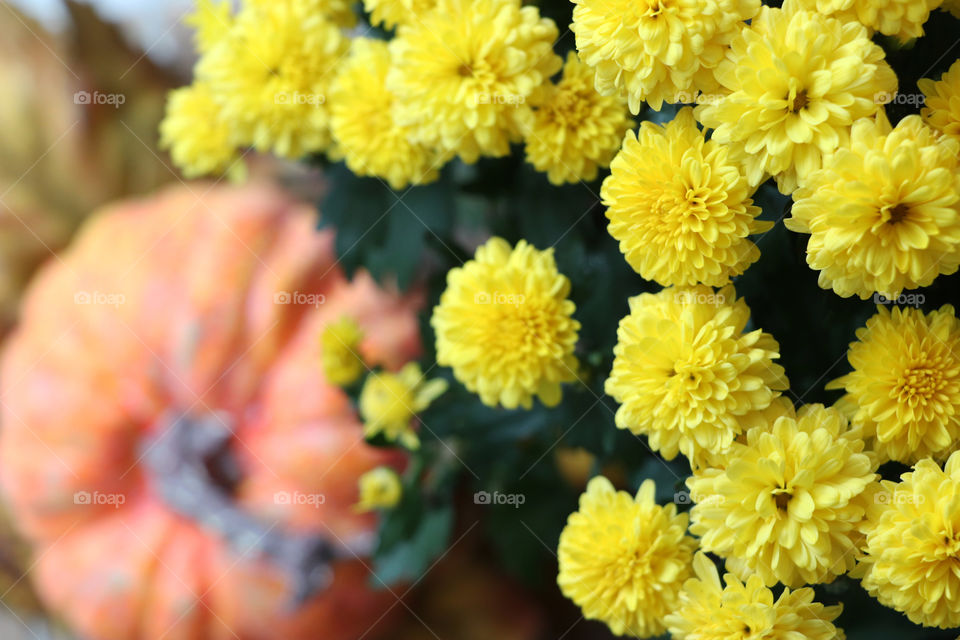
column 522, row 329
column 781, row 498
column 919, row 383
column 897, row 213
column 571, row 105
column 951, row 545
column 655, row 8
column 394, row 400
column 798, row 100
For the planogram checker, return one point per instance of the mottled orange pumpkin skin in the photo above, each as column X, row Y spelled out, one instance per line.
column 171, row 303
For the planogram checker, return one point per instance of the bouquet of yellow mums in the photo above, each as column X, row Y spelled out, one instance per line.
column 690, row 266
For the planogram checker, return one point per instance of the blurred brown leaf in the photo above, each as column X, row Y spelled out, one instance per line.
column 464, row 599
column 78, row 127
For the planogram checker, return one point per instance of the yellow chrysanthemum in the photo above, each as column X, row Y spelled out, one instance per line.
column 465, row 73
column 390, row 13
column 380, row 488
column 272, row 74
column 780, row 407
column 364, row 130
column 211, row 21
column 680, row 206
column 623, row 560
column 913, row 545
column 340, row 359
column 794, row 82
column 505, row 324
column 390, row 401
column 942, row 106
column 953, row 6
column 685, row 373
column 789, row 502
column 575, row 130
column 198, row 136
column 340, row 12
column 905, row 383
column 901, row 18
column 738, row 611
column 884, row 212
column 657, row 50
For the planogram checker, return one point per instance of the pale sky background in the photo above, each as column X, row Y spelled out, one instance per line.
column 152, row 23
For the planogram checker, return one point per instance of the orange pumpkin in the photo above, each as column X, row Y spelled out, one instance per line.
column 169, row 444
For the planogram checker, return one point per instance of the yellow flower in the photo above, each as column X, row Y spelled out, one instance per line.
column 656, row 50
column 942, row 107
column 953, row 6
column 505, row 325
column 795, row 81
column 901, row 18
column 884, row 212
column 913, row 545
column 390, row 401
column 200, row 140
column 711, row 611
column 623, row 560
column 390, row 13
column 905, row 383
column 380, row 488
column 364, row 130
column 212, row 20
column 788, row 504
column 574, row 130
column 780, row 407
column 340, row 343
column 680, row 206
column 340, row 12
column 272, row 76
column 465, row 73
column 685, row 373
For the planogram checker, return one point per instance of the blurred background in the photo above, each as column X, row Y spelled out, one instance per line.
column 60, row 158
column 63, row 155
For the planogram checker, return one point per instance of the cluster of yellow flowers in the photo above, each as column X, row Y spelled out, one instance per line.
column 460, row 78
column 782, row 495
column 389, row 401
column 794, row 93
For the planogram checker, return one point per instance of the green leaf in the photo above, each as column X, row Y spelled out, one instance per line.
column 409, row 559
column 385, row 231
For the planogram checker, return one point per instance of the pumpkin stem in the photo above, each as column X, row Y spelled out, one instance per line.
column 193, row 469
